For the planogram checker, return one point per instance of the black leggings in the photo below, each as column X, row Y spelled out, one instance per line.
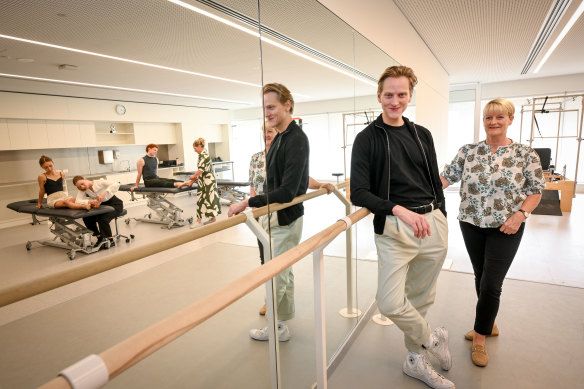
column 158, row 182
column 491, row 253
column 104, row 219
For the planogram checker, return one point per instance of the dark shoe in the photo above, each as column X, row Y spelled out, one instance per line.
column 99, row 240
column 479, row 355
column 470, row 334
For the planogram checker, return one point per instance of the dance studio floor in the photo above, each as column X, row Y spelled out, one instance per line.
column 541, row 317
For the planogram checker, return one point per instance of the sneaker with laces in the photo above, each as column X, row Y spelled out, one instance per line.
column 439, row 348
column 262, row 333
column 418, row 366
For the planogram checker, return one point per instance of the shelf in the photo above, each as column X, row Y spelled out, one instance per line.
column 114, row 133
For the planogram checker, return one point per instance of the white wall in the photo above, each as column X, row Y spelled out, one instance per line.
column 408, row 49
column 573, row 83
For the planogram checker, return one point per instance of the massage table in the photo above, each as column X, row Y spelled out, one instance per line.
column 69, row 234
column 227, row 189
column 164, row 211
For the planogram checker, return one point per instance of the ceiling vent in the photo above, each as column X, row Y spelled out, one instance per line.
column 551, row 21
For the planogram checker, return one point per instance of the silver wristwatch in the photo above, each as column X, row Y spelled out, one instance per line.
column 525, row 213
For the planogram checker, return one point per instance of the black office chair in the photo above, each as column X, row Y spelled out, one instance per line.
column 117, row 235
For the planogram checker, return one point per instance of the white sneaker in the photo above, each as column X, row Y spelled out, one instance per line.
column 262, row 333
column 439, row 347
column 195, row 225
column 419, row 366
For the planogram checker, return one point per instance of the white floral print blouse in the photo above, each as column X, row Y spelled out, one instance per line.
column 494, row 186
column 257, row 172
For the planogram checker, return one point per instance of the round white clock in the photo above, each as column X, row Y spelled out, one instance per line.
column 120, row 109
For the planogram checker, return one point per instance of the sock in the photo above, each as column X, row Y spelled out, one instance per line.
column 281, row 323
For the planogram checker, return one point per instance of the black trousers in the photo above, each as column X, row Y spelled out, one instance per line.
column 103, row 220
column 491, row 253
column 159, row 182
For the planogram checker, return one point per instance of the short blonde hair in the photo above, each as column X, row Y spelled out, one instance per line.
column 499, row 105
column 397, row 72
column 282, row 92
column 199, row 142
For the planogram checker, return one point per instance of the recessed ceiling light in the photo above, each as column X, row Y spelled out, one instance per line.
column 25, row 60
column 129, row 60
column 121, row 88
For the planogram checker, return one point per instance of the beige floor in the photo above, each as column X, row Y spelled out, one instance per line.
column 552, row 252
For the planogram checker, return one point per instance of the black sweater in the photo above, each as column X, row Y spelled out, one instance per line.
column 287, row 173
column 370, row 169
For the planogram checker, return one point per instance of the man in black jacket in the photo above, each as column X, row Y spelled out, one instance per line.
column 394, row 174
column 287, row 177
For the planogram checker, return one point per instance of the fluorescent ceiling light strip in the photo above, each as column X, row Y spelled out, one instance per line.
column 269, row 41
column 128, row 60
column 120, row 88
column 564, row 32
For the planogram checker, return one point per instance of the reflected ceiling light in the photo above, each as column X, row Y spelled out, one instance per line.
column 270, row 41
column 121, row 88
column 128, row 60
column 564, row 32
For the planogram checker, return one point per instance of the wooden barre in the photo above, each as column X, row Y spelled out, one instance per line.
column 14, row 293
column 127, row 353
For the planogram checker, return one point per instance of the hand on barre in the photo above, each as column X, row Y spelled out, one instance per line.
column 237, row 208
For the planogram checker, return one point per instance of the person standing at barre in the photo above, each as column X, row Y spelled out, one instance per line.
column 287, row 177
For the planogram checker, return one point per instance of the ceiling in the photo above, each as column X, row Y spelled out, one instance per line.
column 490, row 40
column 164, row 34
column 146, row 46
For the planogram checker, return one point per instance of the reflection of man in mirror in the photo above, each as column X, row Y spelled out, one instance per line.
column 394, row 174
column 287, row 177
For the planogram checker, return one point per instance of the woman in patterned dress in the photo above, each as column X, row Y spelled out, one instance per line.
column 501, row 184
column 207, row 197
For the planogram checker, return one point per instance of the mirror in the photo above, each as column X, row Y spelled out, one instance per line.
column 189, row 69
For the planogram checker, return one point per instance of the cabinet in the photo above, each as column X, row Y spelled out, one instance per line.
column 4, row 135
column 18, row 134
column 159, row 133
column 45, row 134
column 56, row 130
column 37, row 134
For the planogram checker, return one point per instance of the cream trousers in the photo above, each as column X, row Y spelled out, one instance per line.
column 283, row 239
column 408, row 271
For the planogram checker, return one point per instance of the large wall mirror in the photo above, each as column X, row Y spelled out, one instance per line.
column 183, row 70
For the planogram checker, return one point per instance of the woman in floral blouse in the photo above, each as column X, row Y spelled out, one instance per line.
column 501, row 184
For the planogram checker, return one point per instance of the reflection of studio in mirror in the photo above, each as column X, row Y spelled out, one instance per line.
column 201, row 76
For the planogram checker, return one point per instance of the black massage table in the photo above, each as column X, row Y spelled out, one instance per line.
column 165, row 212
column 227, row 189
column 69, row 234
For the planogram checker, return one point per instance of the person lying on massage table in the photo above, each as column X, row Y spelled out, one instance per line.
column 52, row 182
column 148, row 167
column 95, row 193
